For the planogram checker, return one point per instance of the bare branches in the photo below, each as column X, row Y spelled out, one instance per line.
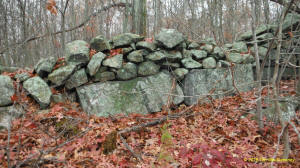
column 105, row 8
column 294, row 6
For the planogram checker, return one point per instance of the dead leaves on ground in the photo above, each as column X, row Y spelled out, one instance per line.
column 216, row 134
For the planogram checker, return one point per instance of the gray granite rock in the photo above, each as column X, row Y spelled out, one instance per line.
column 39, row 90
column 114, row 62
column 140, row 95
column 6, row 90
column 148, row 68
column 198, row 83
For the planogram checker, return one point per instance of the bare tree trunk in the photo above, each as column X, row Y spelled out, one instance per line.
column 126, row 15
column 86, row 15
column 275, row 85
column 139, row 25
column 267, row 11
column 158, row 16
column 258, row 74
column 220, row 9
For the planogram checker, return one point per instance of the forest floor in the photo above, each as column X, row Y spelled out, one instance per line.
column 221, row 133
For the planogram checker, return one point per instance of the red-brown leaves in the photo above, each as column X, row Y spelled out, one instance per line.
column 59, row 63
column 92, row 52
column 51, row 6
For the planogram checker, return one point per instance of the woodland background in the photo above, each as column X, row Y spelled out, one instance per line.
column 30, row 32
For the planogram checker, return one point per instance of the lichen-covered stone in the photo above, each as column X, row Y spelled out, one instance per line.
column 100, row 43
column 198, row 54
column 156, row 56
column 114, row 62
column 208, row 48
column 104, row 76
column 223, row 64
column 77, row 52
column 6, row 90
column 259, row 30
column 127, row 50
column 146, row 45
column 248, row 59
column 77, row 79
column 140, row 95
column 180, row 73
column 60, row 75
column 199, row 83
column 22, row 77
column 189, row 63
column 148, row 68
column 136, row 56
column 235, row 57
column 95, row 63
column 128, row 71
column 173, row 56
column 240, row 47
column 218, row 53
column 291, row 21
column 169, row 38
column 209, row 63
column 193, row 45
column 45, row 66
column 169, row 65
column 39, row 90
column 126, row 39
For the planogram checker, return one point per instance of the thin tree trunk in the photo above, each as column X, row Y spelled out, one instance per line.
column 275, row 85
column 258, row 74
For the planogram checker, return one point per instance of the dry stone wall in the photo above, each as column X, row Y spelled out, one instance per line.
column 131, row 74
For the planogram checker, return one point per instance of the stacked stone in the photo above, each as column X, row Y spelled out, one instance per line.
column 142, row 63
column 265, row 34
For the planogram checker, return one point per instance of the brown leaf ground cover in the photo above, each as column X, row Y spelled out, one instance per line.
column 220, row 133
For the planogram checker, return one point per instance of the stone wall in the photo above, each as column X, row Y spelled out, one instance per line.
column 131, row 74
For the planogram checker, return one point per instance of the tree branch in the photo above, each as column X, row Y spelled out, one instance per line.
column 294, row 8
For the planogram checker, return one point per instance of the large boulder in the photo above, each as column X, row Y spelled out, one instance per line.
column 198, row 83
column 100, row 43
column 77, row 52
column 139, row 95
column 39, row 90
column 6, row 90
column 169, row 38
column 45, row 66
column 126, row 39
column 60, row 75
